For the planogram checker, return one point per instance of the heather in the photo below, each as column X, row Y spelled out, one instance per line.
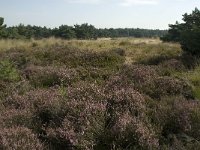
column 110, row 94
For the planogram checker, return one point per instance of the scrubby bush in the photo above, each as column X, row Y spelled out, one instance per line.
column 50, row 76
column 127, row 126
column 73, row 58
column 8, row 89
column 150, row 80
column 18, row 56
column 172, row 65
column 119, row 51
column 172, row 86
column 124, row 43
column 174, row 118
column 15, row 117
column 8, row 72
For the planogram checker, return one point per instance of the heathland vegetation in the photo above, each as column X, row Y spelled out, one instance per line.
column 104, row 94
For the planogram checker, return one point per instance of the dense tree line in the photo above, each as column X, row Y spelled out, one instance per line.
column 83, row 31
column 187, row 33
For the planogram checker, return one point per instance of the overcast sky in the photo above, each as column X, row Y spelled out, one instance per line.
column 151, row 14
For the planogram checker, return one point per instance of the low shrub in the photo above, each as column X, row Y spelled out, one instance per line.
column 172, row 65
column 15, row 117
column 7, row 90
column 174, row 118
column 19, row 138
column 18, row 56
column 8, row 72
column 172, row 86
column 140, row 73
column 127, row 125
column 119, row 51
column 124, row 43
column 73, row 58
column 50, row 76
column 154, row 60
column 149, row 80
column 195, row 123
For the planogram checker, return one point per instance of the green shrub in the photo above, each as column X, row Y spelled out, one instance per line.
column 195, row 123
column 119, row 51
column 8, row 72
column 124, row 43
column 149, row 80
column 73, row 58
column 19, row 57
column 196, row 92
column 50, row 76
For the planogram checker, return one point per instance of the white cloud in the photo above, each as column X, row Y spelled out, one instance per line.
column 120, row 2
column 84, row 1
column 139, row 2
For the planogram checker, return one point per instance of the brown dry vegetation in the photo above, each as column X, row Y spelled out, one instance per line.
column 110, row 94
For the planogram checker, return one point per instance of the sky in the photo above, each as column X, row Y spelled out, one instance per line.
column 148, row 14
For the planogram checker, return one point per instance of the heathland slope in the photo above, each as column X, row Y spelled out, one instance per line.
column 98, row 94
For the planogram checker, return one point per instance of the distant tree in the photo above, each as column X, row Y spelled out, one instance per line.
column 2, row 27
column 187, row 33
column 65, row 32
column 85, row 31
column 1, row 23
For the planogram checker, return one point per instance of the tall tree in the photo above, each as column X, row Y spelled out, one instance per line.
column 65, row 32
column 85, row 31
column 2, row 27
column 187, row 33
column 1, row 23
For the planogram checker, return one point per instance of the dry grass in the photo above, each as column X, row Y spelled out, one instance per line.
column 136, row 49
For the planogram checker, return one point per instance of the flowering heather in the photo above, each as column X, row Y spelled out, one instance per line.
column 50, row 76
column 61, row 97
column 173, row 64
column 19, row 138
column 127, row 121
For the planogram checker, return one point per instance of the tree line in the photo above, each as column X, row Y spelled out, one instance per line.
column 83, row 31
